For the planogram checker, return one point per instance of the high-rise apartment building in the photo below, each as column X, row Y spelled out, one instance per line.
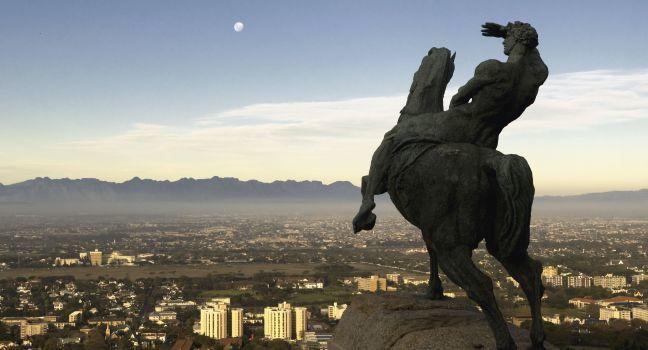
column 554, row 281
column 579, row 281
column 610, row 281
column 95, row 258
column 372, row 284
column 277, row 322
column 213, row 321
column 301, row 322
column 236, row 329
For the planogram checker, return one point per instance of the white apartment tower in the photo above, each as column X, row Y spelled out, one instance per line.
column 301, row 322
column 237, row 323
column 213, row 321
column 277, row 322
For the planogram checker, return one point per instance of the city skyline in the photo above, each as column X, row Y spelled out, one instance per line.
column 305, row 91
column 290, row 279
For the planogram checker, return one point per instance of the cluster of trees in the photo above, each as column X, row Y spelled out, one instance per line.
column 95, row 340
column 618, row 335
column 267, row 345
column 11, row 333
column 558, row 297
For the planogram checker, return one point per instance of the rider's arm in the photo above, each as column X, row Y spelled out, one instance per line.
column 467, row 91
column 485, row 74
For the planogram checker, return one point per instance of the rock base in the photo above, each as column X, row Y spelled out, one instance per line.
column 406, row 322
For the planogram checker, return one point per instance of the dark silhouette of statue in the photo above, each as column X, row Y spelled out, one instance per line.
column 444, row 175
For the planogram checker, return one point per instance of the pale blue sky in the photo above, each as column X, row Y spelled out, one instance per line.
column 166, row 89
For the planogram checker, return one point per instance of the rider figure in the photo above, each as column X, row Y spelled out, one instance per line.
column 497, row 94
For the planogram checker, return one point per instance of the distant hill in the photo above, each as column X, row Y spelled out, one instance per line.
column 604, row 204
column 44, row 189
column 219, row 193
column 639, row 195
column 215, row 195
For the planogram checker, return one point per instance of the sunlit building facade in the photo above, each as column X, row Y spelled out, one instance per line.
column 236, row 322
column 277, row 322
column 213, row 321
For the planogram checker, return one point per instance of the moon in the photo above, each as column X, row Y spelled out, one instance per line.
column 238, row 26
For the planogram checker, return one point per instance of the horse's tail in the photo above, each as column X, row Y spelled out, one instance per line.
column 514, row 200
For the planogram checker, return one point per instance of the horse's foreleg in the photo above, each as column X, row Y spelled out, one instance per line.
column 374, row 183
column 461, row 270
column 527, row 272
column 435, row 289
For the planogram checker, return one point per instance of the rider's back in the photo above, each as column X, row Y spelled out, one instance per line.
column 511, row 87
column 514, row 88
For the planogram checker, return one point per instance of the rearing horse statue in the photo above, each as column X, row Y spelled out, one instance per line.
column 445, row 176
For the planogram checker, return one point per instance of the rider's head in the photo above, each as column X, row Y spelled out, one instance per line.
column 519, row 33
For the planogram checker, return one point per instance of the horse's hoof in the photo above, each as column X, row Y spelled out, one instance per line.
column 537, row 339
column 435, row 296
column 510, row 345
column 371, row 222
column 367, row 224
column 365, row 219
column 535, row 346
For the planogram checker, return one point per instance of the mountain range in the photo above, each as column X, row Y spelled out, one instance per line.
column 228, row 192
column 44, row 189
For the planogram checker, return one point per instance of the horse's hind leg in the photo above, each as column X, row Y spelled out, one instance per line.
column 527, row 272
column 435, row 290
column 458, row 266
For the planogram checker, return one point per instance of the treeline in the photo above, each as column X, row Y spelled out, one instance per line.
column 618, row 335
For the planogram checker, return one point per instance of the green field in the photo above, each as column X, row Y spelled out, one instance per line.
column 316, row 297
column 298, row 297
column 228, row 293
column 150, row 271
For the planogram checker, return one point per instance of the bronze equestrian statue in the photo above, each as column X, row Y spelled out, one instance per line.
column 445, row 176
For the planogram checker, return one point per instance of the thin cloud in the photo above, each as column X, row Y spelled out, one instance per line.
column 586, row 99
column 566, row 101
